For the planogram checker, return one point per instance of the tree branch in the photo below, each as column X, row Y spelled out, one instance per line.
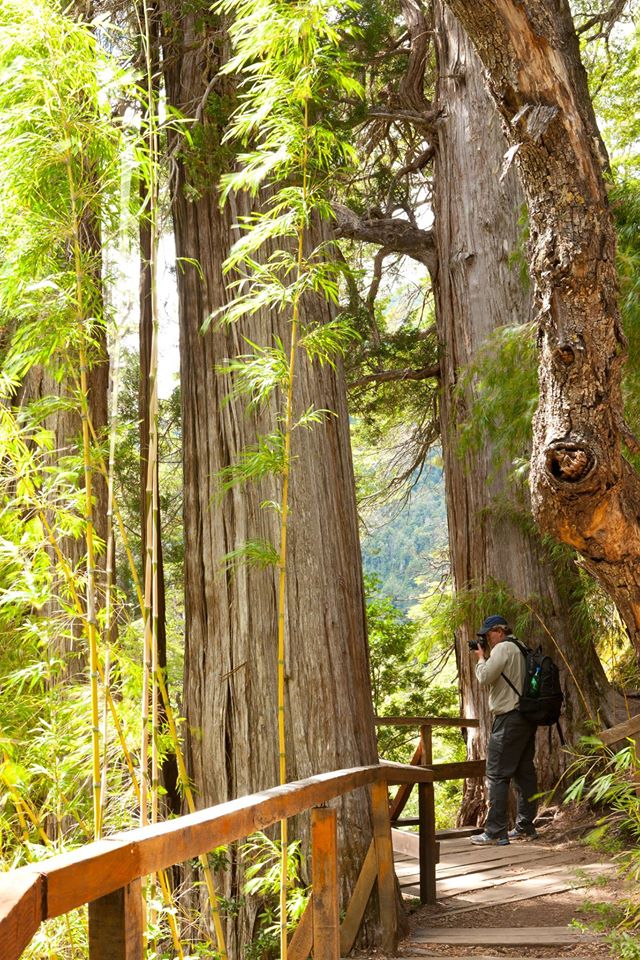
column 394, row 376
column 417, row 118
column 606, row 20
column 411, row 91
column 398, row 236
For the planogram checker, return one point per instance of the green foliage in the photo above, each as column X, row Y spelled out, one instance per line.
column 610, row 54
column 60, row 167
column 625, row 200
column 398, row 681
column 605, row 779
column 503, row 382
column 405, row 683
column 204, row 155
column 262, row 858
column 400, row 415
column 257, row 553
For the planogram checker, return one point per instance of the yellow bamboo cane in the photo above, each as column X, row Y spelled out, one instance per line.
column 21, row 803
column 282, row 562
column 164, row 883
column 88, row 485
column 108, row 599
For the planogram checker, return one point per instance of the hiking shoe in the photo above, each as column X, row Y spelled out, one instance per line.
column 517, row 834
column 484, row 840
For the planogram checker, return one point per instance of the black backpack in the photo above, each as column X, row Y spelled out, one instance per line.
column 542, row 696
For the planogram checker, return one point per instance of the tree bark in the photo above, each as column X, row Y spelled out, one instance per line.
column 169, row 769
column 231, row 649
column 583, row 491
column 478, row 289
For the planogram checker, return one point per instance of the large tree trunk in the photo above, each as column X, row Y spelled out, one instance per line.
column 231, row 650
column 583, row 491
column 478, row 289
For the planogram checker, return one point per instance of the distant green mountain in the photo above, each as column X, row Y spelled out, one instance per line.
column 403, row 542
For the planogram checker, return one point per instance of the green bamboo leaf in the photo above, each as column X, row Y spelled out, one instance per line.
column 325, row 342
column 265, row 458
column 311, row 417
column 255, row 553
column 256, row 375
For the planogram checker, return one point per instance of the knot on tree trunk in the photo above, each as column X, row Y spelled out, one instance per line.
column 569, row 463
column 565, row 354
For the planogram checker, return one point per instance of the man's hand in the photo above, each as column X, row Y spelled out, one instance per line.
column 479, row 653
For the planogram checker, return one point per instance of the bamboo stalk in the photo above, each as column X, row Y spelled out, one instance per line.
column 86, row 456
column 108, row 602
column 78, row 605
column 164, row 883
column 149, row 686
column 282, row 565
column 20, row 802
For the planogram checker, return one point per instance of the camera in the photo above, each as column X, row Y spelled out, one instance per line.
column 477, row 644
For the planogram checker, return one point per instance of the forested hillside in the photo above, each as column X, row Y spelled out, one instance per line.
column 404, row 542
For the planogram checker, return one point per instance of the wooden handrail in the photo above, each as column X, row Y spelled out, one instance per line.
column 427, row 722
column 37, row 892
column 621, row 731
column 629, row 729
column 73, row 879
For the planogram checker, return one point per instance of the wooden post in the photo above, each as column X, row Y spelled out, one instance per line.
column 386, row 873
column 427, row 815
column 324, row 880
column 636, row 772
column 116, row 925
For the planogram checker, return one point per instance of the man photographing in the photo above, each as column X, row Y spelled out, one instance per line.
column 511, row 745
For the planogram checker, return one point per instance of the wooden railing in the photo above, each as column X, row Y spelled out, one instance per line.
column 630, row 729
column 428, row 848
column 107, row 874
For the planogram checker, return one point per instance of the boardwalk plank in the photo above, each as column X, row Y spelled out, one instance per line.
column 514, row 852
column 501, row 936
column 472, row 882
column 509, row 893
column 485, row 956
column 497, row 866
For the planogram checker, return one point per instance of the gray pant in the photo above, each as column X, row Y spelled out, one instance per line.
column 510, row 755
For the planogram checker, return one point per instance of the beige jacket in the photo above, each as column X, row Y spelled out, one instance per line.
column 506, row 658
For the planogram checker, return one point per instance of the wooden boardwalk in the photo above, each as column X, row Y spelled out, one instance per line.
column 469, row 877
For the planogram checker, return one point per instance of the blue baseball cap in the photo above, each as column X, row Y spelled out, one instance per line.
column 490, row 623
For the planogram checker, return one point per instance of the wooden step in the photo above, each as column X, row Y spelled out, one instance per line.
column 483, row 956
column 501, row 936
